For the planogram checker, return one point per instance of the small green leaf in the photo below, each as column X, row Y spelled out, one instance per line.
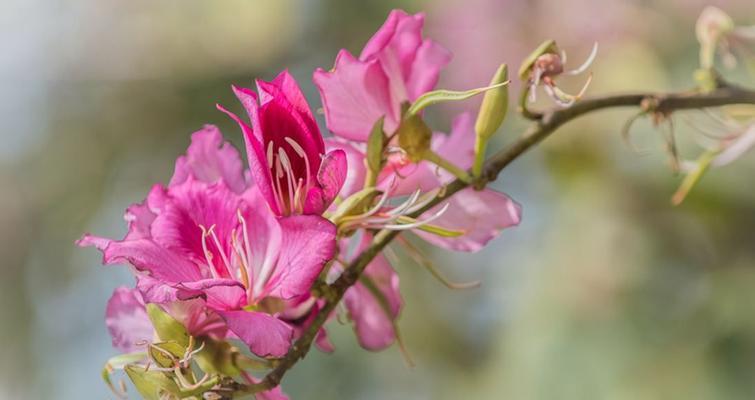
column 547, row 47
column 167, row 328
column 375, row 147
column 152, row 385
column 440, row 96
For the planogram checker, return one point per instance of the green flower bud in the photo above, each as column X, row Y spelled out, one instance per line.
column 414, row 137
column 494, row 106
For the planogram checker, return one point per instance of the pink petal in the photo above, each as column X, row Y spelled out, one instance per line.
column 458, row 146
column 480, row 214
column 373, row 321
column 219, row 294
column 355, row 171
column 127, row 320
column 284, row 85
column 308, row 242
column 264, row 232
column 355, row 94
column 210, row 159
column 425, row 69
column 258, row 166
column 145, row 255
column 331, row 177
column 265, row 335
column 399, row 37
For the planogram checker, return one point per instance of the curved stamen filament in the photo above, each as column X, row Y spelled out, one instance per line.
column 300, row 151
column 243, row 267
column 402, row 227
column 587, row 63
column 287, row 168
column 211, row 232
column 207, row 254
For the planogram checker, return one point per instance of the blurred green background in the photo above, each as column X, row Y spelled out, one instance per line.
column 604, row 292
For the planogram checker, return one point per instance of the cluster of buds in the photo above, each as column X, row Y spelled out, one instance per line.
column 544, row 65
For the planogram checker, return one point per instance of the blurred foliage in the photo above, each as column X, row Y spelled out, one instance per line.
column 604, row 292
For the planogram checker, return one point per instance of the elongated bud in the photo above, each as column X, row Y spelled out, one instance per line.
column 494, row 106
column 167, row 328
column 414, row 137
column 375, row 145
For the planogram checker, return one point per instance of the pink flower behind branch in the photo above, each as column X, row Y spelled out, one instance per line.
column 396, row 65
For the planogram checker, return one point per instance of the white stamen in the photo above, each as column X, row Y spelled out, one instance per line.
column 220, row 249
column 587, row 62
column 403, row 227
column 286, row 163
column 270, row 154
column 207, row 254
column 300, row 151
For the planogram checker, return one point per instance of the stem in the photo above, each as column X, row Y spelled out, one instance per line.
column 436, row 159
column 539, row 130
column 479, row 156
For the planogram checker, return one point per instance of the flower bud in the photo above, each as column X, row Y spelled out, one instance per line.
column 375, row 144
column 414, row 137
column 494, row 106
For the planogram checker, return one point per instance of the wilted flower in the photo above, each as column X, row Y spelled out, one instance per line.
column 285, row 149
column 545, row 64
column 717, row 32
column 199, row 239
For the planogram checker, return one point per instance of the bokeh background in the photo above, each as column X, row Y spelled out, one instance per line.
column 605, row 291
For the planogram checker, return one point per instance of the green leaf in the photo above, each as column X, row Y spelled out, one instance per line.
column 440, row 96
column 167, row 328
column 152, row 385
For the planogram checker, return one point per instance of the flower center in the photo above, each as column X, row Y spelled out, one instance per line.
column 289, row 187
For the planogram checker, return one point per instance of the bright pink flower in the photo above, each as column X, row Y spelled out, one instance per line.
column 396, row 65
column 198, row 239
column 480, row 215
column 285, row 149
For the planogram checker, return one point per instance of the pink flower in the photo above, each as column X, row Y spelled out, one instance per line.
column 479, row 215
column 396, row 65
column 285, row 149
column 199, row 239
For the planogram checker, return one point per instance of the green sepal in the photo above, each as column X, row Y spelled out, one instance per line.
column 167, row 328
column 375, row 146
column 355, row 204
column 152, row 385
column 442, row 95
column 120, row 362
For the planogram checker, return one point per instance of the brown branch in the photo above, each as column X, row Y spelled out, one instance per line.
column 546, row 124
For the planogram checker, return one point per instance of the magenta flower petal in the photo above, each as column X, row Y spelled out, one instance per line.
column 308, row 242
column 127, row 320
column 373, row 321
column 355, row 94
column 208, row 159
column 481, row 215
column 331, row 177
column 258, row 166
column 145, row 255
column 219, row 294
column 265, row 335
